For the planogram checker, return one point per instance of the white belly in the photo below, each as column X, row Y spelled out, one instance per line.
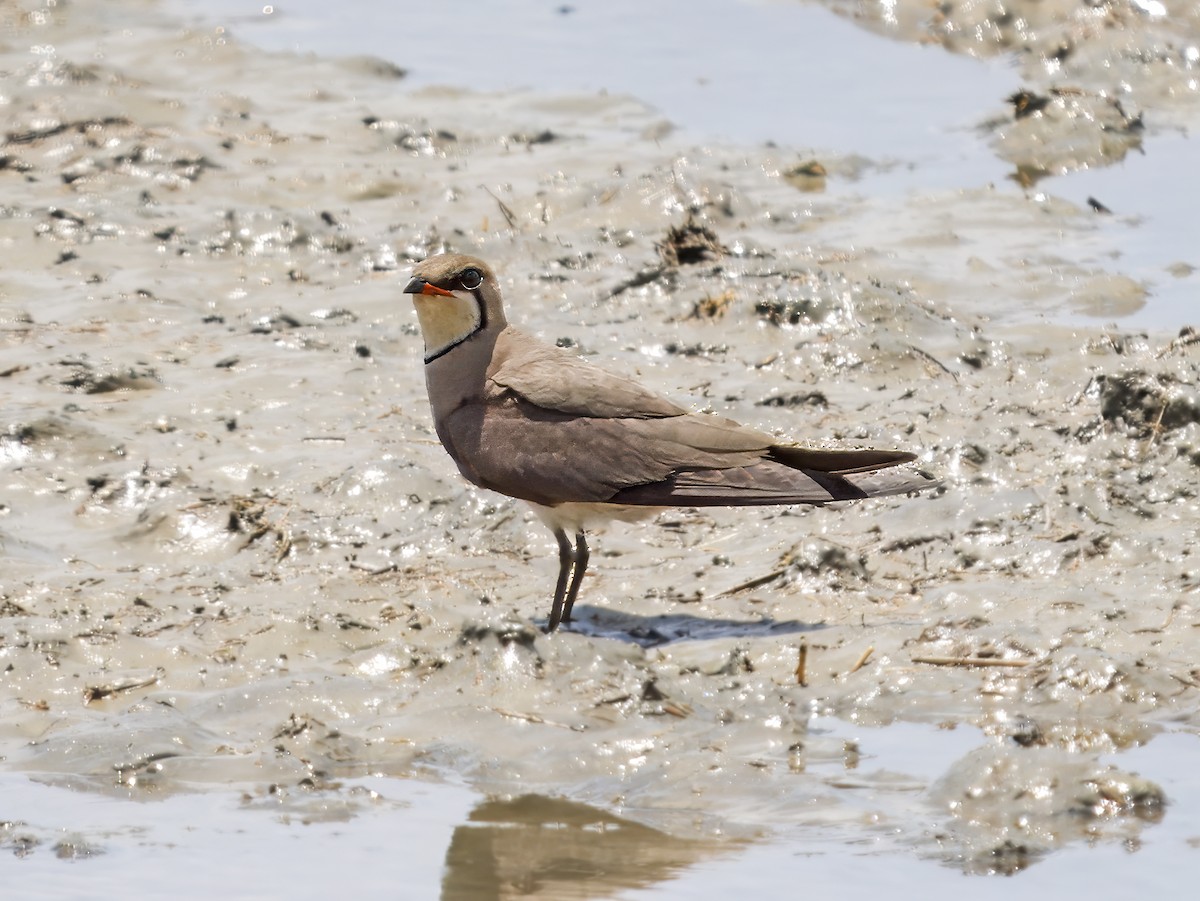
column 573, row 517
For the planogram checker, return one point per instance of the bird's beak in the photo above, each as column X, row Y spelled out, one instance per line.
column 420, row 286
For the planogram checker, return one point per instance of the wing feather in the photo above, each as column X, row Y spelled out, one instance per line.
column 554, row 429
column 555, row 379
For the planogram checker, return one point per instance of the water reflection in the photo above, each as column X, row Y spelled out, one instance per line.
column 534, row 846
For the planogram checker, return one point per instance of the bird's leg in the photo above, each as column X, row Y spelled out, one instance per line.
column 581, row 562
column 566, row 561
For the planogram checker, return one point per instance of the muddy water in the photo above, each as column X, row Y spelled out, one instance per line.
column 239, row 569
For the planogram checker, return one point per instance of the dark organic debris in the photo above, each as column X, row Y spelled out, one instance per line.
column 296, row 726
column 689, row 244
column 810, row 176
column 792, row 311
column 8, row 162
column 277, row 322
column 829, row 562
column 248, row 516
column 1026, row 732
column 75, row 849
column 508, row 633
column 644, row 276
column 713, row 306
column 1006, row 859
column 99, row 692
column 694, row 350
column 1138, row 401
column 798, row 399
column 1026, row 103
column 656, row 702
column 85, row 378
column 545, row 136
column 81, row 126
column 1029, row 174
column 1111, row 794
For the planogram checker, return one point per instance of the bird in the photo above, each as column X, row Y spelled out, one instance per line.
column 582, row 445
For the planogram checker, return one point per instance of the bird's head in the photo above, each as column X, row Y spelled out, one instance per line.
column 456, row 297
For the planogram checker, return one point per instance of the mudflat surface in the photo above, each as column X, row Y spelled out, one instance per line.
column 235, row 555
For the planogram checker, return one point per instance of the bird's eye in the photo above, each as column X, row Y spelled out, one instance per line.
column 470, row 278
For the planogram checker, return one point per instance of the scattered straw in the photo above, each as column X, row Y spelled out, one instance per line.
column 866, row 655
column 971, row 661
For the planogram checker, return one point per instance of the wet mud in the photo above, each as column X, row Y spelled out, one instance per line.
column 234, row 553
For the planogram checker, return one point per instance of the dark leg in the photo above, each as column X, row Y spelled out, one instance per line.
column 566, row 560
column 581, row 562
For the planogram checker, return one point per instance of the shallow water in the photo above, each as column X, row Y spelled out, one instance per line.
column 425, row 840
column 748, row 72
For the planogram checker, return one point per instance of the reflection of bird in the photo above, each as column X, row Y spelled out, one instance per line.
column 504, row 851
column 582, row 445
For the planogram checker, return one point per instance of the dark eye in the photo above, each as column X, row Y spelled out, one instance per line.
column 470, row 278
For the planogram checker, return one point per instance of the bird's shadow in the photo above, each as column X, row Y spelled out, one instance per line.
column 652, row 631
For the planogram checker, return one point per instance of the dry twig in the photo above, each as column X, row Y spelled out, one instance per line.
column 802, row 665
column 863, row 659
column 972, row 661
column 534, row 718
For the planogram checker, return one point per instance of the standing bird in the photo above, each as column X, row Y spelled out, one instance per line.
column 581, row 445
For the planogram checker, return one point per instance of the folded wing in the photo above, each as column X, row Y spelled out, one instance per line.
column 556, row 429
